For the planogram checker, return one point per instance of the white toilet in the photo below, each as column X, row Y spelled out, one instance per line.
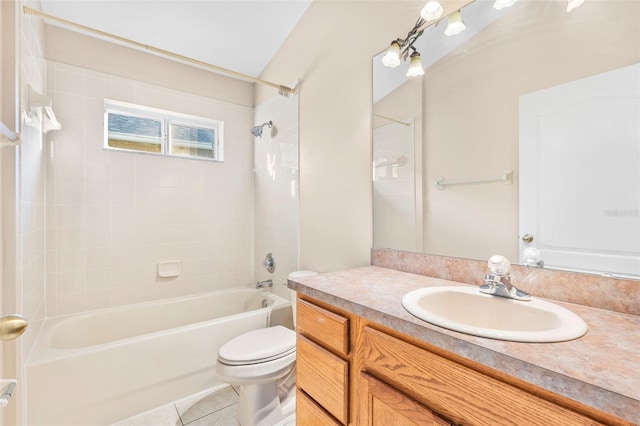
column 261, row 363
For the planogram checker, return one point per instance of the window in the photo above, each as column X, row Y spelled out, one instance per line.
column 136, row 128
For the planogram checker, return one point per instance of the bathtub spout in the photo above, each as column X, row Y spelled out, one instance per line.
column 266, row 283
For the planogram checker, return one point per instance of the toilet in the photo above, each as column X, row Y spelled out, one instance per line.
column 261, row 364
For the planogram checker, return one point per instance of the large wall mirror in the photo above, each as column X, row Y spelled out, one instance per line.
column 523, row 132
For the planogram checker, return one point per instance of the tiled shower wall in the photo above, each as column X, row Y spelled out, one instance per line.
column 112, row 216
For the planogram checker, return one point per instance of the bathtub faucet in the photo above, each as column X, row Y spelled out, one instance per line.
column 266, row 283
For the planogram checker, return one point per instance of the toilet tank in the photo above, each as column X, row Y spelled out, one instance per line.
column 292, row 276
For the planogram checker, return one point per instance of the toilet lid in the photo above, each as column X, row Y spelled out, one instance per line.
column 260, row 345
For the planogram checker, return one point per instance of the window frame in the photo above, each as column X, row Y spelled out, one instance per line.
column 166, row 118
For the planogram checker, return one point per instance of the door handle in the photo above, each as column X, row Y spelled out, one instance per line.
column 12, row 326
column 527, row 238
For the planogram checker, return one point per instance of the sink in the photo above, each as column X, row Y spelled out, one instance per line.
column 465, row 309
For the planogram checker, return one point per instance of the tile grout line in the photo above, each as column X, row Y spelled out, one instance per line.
column 208, row 414
column 175, row 407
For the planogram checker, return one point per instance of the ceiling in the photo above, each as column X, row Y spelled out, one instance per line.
column 240, row 35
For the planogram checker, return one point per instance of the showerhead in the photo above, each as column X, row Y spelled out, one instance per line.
column 257, row 131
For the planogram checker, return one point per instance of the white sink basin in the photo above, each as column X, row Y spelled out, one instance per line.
column 466, row 310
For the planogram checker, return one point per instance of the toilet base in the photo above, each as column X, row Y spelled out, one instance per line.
column 261, row 404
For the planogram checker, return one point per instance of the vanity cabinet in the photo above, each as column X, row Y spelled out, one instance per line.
column 352, row 371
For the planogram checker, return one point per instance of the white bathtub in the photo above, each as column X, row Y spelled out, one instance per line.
column 101, row 367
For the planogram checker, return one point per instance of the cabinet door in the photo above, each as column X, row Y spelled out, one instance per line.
column 457, row 391
column 387, row 406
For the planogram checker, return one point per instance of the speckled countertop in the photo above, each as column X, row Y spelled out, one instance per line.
column 600, row 369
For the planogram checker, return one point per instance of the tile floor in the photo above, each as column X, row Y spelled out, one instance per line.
column 213, row 407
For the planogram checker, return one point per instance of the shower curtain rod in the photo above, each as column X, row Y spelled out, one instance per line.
column 283, row 90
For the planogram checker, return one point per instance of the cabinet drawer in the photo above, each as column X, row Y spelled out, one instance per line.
column 323, row 376
column 458, row 392
column 325, row 327
column 309, row 413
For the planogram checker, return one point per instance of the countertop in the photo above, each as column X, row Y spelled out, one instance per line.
column 600, row 369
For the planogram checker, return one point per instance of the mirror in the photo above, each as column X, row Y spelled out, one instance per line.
column 497, row 144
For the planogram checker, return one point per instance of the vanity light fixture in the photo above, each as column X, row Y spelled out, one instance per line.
column 572, row 4
column 415, row 66
column 403, row 49
column 501, row 4
column 432, row 10
column 399, row 48
column 455, row 25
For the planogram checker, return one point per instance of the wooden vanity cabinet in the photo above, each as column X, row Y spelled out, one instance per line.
column 351, row 371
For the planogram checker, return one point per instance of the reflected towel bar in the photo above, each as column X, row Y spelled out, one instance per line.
column 506, row 178
column 400, row 161
column 7, row 133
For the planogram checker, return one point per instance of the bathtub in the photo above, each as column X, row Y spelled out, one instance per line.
column 101, row 367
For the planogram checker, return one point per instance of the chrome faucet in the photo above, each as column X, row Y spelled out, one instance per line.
column 263, row 284
column 498, row 283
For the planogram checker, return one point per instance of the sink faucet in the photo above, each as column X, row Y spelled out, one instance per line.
column 498, row 283
column 266, row 283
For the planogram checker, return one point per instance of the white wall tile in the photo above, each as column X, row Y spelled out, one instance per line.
column 122, row 89
column 97, row 86
column 98, row 299
column 70, row 281
column 70, row 303
column 123, row 256
column 98, row 257
column 69, row 216
column 98, row 236
column 97, row 279
column 70, row 238
column 98, row 194
column 69, row 81
column 123, row 276
column 70, row 193
column 96, row 216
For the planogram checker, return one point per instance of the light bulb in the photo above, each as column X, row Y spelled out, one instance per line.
column 454, row 24
column 432, row 10
column 501, row 4
column 391, row 59
column 572, row 4
column 415, row 66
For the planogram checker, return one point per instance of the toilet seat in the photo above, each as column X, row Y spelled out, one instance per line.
column 258, row 346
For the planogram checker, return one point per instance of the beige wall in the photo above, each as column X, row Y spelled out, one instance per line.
column 77, row 49
column 331, row 51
